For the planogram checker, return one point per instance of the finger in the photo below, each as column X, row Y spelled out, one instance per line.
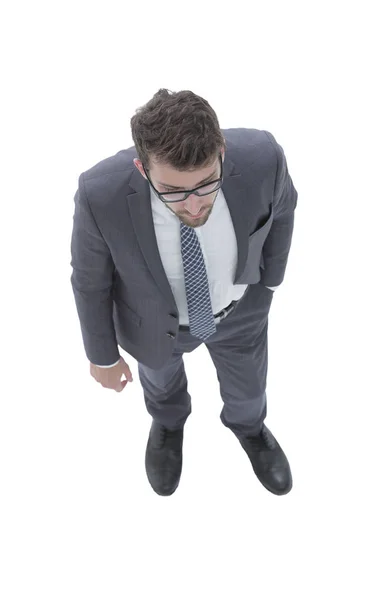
column 121, row 386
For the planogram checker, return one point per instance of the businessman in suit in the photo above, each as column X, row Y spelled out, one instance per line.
column 179, row 240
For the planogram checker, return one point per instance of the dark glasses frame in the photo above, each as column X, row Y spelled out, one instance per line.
column 188, row 192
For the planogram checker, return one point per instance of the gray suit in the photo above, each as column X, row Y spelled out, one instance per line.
column 121, row 290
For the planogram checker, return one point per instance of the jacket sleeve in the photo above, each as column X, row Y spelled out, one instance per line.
column 277, row 245
column 91, row 279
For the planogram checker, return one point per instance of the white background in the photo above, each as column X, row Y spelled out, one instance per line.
column 78, row 516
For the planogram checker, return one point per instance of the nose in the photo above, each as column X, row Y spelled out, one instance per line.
column 194, row 204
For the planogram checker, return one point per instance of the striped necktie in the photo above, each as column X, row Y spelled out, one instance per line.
column 201, row 318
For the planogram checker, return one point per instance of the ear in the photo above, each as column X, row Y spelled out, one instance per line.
column 139, row 166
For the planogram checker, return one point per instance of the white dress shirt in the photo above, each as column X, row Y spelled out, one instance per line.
column 220, row 258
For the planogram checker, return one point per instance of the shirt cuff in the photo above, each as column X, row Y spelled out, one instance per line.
column 272, row 288
column 108, row 366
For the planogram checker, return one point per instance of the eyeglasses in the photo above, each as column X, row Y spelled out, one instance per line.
column 181, row 195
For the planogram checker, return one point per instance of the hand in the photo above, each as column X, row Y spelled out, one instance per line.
column 111, row 378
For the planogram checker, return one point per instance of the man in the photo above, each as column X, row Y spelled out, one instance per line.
column 179, row 240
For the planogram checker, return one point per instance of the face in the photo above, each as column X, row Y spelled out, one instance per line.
column 167, row 179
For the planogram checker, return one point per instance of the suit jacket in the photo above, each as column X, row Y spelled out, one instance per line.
column 121, row 290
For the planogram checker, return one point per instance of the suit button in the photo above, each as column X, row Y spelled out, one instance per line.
column 170, row 334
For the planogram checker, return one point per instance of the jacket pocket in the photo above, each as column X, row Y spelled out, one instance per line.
column 126, row 311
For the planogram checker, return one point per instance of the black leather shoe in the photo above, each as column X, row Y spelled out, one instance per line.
column 164, row 458
column 268, row 461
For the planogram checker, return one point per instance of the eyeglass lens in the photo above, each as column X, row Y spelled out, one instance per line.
column 203, row 191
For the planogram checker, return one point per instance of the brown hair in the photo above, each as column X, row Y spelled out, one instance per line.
column 179, row 129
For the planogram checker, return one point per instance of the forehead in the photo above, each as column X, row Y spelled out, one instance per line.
column 164, row 174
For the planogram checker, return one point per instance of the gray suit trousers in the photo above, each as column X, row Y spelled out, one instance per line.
column 239, row 351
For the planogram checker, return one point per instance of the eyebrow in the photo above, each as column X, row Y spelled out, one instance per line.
column 174, row 187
